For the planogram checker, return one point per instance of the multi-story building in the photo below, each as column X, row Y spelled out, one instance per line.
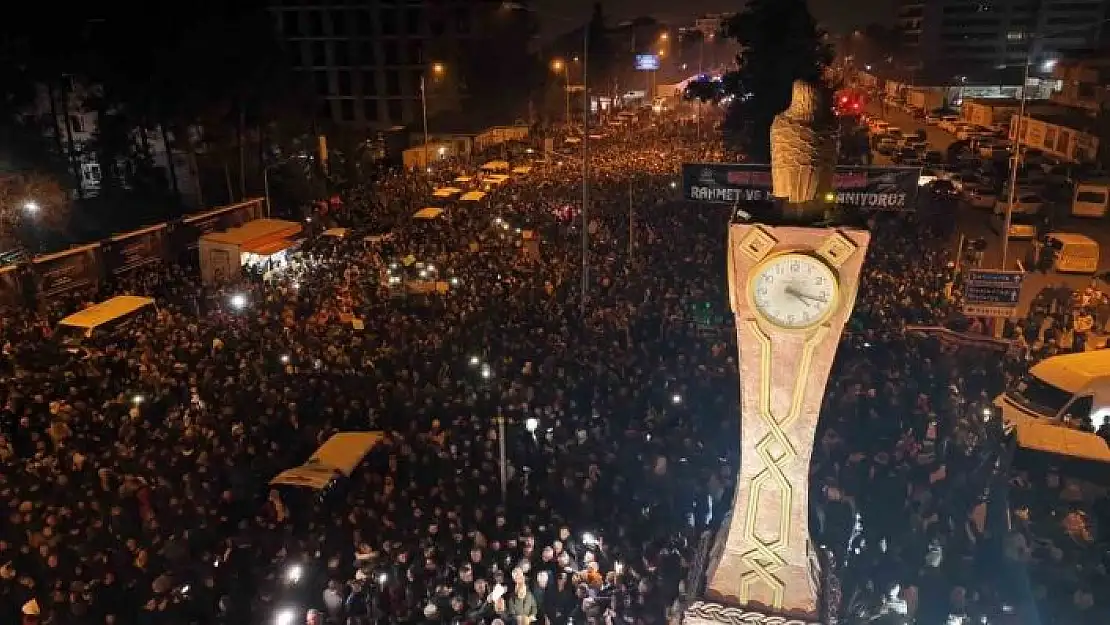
column 367, row 58
column 1083, row 81
column 710, row 25
column 908, row 23
column 63, row 114
column 977, row 37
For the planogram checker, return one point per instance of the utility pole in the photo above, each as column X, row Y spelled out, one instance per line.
column 502, row 460
column 701, row 65
column 424, row 111
column 585, row 169
column 631, row 221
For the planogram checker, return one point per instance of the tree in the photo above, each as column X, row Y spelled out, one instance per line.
column 779, row 43
column 30, row 201
column 704, row 89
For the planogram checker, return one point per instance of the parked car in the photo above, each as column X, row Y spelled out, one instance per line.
column 1023, row 227
column 979, row 196
column 948, row 122
column 902, row 155
column 988, row 146
column 1026, row 203
column 943, row 190
column 965, row 132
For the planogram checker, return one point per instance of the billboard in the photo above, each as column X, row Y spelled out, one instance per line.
column 73, row 269
column 132, row 250
column 864, row 188
column 647, row 62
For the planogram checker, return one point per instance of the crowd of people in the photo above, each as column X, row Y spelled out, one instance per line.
column 136, row 472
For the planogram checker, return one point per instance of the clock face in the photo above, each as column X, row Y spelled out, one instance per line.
column 794, row 291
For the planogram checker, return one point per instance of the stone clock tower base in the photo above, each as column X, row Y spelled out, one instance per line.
column 708, row 613
column 763, row 562
column 763, row 569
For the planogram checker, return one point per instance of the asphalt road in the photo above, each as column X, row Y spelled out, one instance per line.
column 980, row 223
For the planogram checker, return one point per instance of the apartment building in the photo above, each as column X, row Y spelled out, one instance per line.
column 976, row 37
column 908, row 23
column 367, row 58
column 63, row 114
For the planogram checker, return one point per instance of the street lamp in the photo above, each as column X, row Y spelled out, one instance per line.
column 438, row 69
column 517, row 6
column 559, row 66
column 31, row 206
column 1015, row 159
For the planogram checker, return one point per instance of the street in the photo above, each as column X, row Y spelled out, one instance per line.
column 975, row 223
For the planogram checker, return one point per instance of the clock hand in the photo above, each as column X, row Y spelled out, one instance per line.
column 804, row 296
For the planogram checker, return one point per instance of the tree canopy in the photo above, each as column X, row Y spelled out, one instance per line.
column 779, row 43
column 212, row 82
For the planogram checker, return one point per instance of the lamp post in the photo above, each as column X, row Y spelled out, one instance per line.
column 502, row 459
column 517, row 6
column 1015, row 159
column 437, row 70
column 561, row 66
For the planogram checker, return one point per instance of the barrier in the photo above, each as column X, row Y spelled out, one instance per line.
column 86, row 266
column 59, row 273
column 125, row 252
column 962, row 339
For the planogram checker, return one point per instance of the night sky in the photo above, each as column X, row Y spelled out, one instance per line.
column 835, row 15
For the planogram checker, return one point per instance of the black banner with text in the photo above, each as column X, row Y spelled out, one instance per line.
column 67, row 271
column 132, row 250
column 863, row 188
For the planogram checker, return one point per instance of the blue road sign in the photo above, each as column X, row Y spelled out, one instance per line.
column 992, row 293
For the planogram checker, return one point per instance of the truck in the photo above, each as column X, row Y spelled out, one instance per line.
column 1091, row 198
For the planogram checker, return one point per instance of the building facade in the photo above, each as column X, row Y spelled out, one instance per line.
column 62, row 114
column 1083, row 82
column 908, row 21
column 980, row 36
column 710, row 25
column 366, row 59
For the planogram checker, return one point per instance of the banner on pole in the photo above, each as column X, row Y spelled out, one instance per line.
column 864, row 188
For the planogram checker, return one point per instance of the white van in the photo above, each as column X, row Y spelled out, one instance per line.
column 1063, row 389
column 1076, row 253
column 1091, row 199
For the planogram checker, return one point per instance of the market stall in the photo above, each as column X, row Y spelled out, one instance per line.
column 262, row 243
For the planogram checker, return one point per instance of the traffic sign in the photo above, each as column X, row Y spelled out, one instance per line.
column 992, row 293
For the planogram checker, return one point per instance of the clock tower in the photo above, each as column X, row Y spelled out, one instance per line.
column 792, row 285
